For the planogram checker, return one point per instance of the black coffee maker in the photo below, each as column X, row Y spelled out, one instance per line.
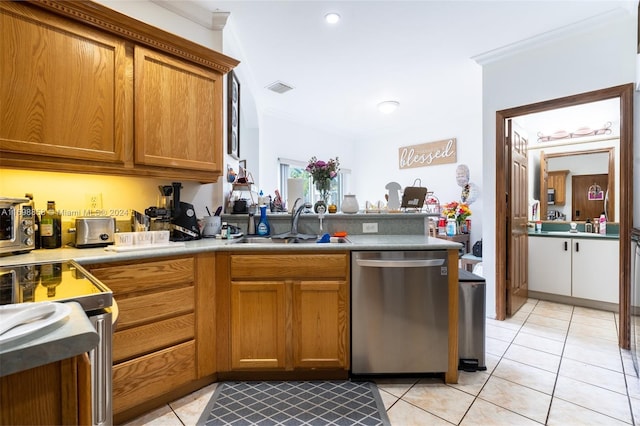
column 181, row 215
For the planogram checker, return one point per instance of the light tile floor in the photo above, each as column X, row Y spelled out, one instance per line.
column 549, row 364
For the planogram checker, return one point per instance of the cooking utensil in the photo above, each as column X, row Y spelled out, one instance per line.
column 218, row 211
column 208, row 211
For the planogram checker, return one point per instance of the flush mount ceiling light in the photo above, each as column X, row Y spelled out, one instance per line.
column 332, row 18
column 387, row 107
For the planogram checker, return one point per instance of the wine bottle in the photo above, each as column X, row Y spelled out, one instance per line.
column 50, row 228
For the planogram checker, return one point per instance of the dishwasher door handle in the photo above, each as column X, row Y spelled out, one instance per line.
column 409, row 263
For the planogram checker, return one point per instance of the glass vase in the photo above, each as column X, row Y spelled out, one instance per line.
column 323, row 186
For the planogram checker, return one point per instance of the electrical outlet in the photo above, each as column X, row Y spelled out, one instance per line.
column 370, row 228
column 94, row 201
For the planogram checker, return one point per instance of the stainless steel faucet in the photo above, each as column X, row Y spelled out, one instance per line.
column 295, row 214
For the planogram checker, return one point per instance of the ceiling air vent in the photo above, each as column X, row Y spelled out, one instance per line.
column 279, row 87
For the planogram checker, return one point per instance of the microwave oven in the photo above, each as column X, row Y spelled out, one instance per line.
column 551, row 196
column 17, row 225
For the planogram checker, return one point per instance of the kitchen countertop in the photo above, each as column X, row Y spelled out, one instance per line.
column 356, row 242
column 67, row 338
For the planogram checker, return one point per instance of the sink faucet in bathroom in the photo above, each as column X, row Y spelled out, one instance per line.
column 295, row 214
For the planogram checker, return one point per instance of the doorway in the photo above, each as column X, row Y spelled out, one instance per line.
column 509, row 249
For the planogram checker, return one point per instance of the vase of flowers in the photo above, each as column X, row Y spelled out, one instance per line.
column 322, row 173
column 459, row 212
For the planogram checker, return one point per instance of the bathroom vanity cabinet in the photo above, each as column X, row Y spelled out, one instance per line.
column 577, row 267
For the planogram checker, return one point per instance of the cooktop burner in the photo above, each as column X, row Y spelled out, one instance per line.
column 53, row 282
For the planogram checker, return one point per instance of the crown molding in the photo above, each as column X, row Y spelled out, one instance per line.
column 577, row 28
column 215, row 20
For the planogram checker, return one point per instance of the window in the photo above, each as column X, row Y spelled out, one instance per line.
column 296, row 170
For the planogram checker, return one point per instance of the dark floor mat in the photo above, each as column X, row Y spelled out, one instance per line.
column 295, row 403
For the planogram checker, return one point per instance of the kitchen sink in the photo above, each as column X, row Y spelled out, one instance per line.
column 288, row 239
column 276, row 240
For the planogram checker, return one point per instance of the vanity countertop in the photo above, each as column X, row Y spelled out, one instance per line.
column 569, row 234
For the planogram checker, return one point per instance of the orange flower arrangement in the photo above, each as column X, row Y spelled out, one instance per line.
column 457, row 211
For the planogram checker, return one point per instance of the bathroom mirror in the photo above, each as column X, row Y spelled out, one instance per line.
column 564, row 164
column 578, row 185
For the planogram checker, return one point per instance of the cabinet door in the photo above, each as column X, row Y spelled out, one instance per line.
column 320, row 324
column 550, row 265
column 178, row 113
column 258, row 318
column 62, row 87
column 595, row 269
column 52, row 394
column 558, row 181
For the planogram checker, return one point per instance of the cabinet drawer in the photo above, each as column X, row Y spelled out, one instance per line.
column 147, row 275
column 289, row 266
column 151, row 307
column 139, row 380
column 152, row 337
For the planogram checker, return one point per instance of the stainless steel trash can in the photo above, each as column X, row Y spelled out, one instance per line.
column 471, row 321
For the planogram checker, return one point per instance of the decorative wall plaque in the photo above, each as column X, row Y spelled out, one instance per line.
column 428, row 154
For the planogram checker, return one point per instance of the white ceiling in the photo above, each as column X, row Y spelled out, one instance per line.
column 416, row 52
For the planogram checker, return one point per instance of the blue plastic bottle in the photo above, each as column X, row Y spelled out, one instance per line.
column 263, row 229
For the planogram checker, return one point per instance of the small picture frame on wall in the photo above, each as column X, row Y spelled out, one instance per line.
column 233, row 115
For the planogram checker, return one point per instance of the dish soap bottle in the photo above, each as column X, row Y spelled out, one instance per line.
column 263, row 229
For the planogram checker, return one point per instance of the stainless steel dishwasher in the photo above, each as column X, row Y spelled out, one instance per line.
column 399, row 312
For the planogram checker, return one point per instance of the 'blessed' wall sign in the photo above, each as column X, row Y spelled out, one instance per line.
column 428, row 154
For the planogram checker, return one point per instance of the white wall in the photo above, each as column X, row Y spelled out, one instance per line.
column 153, row 14
column 283, row 138
column 377, row 161
column 598, row 57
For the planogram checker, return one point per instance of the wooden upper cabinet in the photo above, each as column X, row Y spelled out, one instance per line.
column 558, row 181
column 178, row 113
column 84, row 88
column 62, row 88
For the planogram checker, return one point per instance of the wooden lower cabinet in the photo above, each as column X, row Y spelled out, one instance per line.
column 58, row 393
column 286, row 312
column 258, row 318
column 320, row 324
column 164, row 341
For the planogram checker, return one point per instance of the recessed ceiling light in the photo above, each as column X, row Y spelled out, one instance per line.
column 332, row 18
column 387, row 107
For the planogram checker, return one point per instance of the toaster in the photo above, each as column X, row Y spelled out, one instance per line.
column 95, row 231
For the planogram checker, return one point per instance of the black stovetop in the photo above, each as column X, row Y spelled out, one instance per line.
column 53, row 282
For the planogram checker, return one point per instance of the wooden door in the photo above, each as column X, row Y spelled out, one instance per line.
column 178, row 113
column 62, row 87
column 320, row 324
column 258, row 325
column 584, row 208
column 517, row 272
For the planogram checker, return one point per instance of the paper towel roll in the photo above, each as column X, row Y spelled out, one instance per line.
column 295, row 190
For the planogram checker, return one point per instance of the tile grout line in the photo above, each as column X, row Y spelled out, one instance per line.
column 624, row 375
column 555, row 382
column 476, row 397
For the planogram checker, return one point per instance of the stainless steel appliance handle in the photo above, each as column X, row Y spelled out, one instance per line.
column 101, row 362
column 410, row 263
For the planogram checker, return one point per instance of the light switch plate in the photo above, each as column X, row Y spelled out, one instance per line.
column 370, row 228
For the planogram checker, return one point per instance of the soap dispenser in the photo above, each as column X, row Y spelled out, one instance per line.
column 263, row 229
